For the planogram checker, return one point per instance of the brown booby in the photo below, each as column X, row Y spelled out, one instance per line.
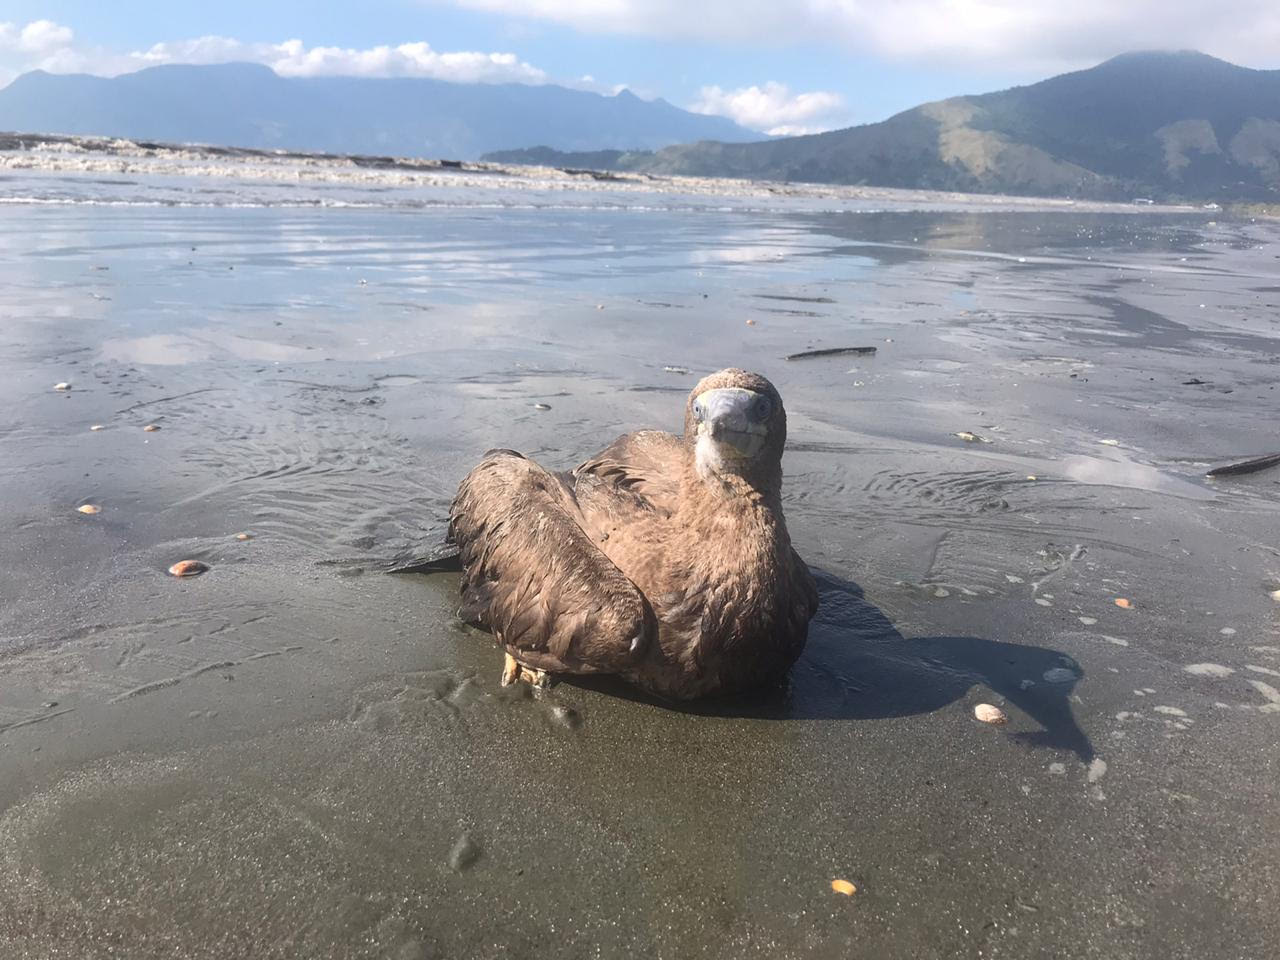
column 663, row 560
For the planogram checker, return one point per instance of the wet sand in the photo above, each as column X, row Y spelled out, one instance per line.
column 296, row 754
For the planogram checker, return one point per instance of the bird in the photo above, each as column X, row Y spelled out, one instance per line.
column 663, row 560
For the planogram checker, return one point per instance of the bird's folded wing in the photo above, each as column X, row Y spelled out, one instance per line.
column 644, row 467
column 534, row 577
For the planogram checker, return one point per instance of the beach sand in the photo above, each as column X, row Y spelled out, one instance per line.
column 298, row 754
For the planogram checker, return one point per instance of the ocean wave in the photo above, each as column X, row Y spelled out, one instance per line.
column 64, row 170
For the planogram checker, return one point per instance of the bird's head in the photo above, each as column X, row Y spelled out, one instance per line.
column 737, row 427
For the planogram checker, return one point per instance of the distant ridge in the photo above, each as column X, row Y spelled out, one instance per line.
column 249, row 105
column 1170, row 126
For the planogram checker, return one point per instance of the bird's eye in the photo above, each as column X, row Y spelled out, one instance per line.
column 761, row 409
column 697, row 410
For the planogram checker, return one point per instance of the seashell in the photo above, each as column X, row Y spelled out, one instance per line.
column 89, row 508
column 989, row 714
column 62, row 386
column 1122, row 602
column 151, row 427
column 97, row 426
column 968, row 437
column 188, row 568
column 844, row 887
column 244, row 536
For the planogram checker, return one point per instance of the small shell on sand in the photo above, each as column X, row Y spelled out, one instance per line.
column 969, row 437
column 151, row 427
column 62, row 386
column 244, row 536
column 89, row 508
column 1122, row 602
column 188, row 568
column 989, row 714
column 844, row 887
column 97, row 426
column 751, row 323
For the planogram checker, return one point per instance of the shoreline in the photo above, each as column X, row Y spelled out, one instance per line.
column 64, row 154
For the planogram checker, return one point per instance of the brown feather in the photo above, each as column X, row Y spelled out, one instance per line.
column 638, row 564
column 527, row 564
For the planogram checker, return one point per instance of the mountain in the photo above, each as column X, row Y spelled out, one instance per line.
column 249, row 105
column 1162, row 125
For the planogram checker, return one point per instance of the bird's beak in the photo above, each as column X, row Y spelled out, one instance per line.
column 725, row 422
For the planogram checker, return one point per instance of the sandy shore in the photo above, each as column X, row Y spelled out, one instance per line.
column 297, row 755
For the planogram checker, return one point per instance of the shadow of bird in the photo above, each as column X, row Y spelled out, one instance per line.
column 856, row 665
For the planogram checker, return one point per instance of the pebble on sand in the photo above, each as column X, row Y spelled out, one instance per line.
column 464, row 854
column 843, row 887
column 988, row 713
column 1123, row 603
column 62, row 386
column 188, row 568
column 89, row 508
column 151, row 427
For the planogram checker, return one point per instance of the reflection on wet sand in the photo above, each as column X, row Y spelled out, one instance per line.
column 281, row 756
column 1140, row 476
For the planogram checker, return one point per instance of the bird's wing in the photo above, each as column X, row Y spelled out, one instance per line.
column 533, row 576
column 638, row 471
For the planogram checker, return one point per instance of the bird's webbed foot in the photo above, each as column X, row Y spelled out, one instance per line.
column 513, row 671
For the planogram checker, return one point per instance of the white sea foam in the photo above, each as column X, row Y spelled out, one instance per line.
column 74, row 170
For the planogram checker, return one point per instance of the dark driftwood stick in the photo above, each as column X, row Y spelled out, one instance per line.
column 832, row 352
column 1248, row 466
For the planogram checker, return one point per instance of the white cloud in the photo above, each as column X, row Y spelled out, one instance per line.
column 773, row 108
column 40, row 44
column 41, row 36
column 293, row 58
column 1002, row 34
column 37, row 37
column 45, row 45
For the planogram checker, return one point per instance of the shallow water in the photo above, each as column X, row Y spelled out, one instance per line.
column 282, row 757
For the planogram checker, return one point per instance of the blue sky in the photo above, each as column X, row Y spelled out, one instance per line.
column 784, row 66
